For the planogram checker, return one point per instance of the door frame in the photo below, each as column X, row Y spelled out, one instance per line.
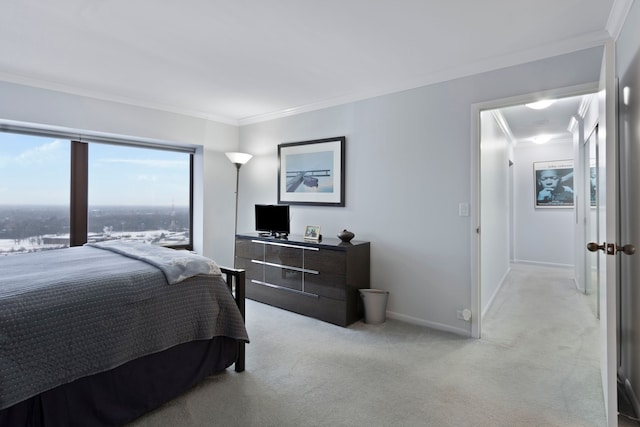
column 477, row 312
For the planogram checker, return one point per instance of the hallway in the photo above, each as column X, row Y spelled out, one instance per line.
column 550, row 337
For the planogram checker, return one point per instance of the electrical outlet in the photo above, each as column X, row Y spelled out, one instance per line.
column 464, row 314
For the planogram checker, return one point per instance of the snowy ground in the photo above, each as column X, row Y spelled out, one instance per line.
column 35, row 244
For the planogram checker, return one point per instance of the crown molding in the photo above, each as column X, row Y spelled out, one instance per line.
column 586, row 41
column 101, row 96
column 504, row 126
column 621, row 8
column 617, row 17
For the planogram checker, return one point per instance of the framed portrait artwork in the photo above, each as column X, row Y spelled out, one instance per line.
column 553, row 184
column 312, row 172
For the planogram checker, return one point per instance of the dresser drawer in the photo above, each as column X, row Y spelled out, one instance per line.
column 325, row 283
column 283, row 255
column 253, row 271
column 284, row 277
column 249, row 250
column 326, row 261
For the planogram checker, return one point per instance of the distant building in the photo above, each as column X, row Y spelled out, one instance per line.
column 56, row 240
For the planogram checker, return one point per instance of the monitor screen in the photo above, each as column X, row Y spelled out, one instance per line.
column 273, row 219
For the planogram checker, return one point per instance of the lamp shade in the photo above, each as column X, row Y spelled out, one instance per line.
column 238, row 158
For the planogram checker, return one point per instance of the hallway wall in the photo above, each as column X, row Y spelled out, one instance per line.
column 495, row 207
column 542, row 235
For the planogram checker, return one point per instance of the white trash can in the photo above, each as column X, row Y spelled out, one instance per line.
column 375, row 305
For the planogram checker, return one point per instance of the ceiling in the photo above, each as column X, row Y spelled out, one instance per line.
column 249, row 60
column 554, row 121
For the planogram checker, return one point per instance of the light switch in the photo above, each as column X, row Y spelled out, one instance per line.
column 463, row 209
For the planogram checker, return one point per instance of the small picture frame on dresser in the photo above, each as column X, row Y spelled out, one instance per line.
column 312, row 232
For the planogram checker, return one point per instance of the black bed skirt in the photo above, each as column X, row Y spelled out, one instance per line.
column 118, row 396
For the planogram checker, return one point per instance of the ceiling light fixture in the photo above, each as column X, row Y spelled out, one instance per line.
column 626, row 94
column 541, row 139
column 540, row 105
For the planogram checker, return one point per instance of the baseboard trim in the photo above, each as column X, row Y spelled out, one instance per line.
column 429, row 324
column 542, row 264
column 577, row 285
column 486, row 309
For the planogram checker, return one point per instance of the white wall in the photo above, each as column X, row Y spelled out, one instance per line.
column 215, row 197
column 542, row 235
column 408, row 167
column 495, row 210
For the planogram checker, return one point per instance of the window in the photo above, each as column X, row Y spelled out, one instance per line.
column 34, row 193
column 139, row 194
column 117, row 191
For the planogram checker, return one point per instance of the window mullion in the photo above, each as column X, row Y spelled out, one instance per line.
column 79, row 193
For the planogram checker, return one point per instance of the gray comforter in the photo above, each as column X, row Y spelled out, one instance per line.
column 69, row 313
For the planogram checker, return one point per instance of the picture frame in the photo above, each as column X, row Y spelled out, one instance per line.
column 312, row 172
column 312, row 232
column 553, row 184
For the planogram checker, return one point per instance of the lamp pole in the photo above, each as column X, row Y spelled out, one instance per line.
column 238, row 159
column 235, row 229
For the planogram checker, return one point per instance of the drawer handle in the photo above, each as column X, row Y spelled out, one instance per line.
column 295, row 291
column 288, row 267
column 286, row 245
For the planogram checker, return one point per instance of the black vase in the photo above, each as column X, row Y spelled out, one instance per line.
column 345, row 235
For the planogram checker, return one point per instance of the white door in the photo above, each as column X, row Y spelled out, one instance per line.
column 608, row 229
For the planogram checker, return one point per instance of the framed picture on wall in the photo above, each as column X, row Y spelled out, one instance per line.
column 553, row 184
column 312, row 172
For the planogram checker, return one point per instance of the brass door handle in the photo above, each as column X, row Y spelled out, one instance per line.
column 611, row 249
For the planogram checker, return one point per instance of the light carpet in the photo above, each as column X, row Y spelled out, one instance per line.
column 537, row 364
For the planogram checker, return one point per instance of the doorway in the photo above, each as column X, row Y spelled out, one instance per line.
column 604, row 114
column 532, row 233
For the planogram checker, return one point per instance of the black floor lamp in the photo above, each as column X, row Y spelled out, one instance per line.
column 237, row 159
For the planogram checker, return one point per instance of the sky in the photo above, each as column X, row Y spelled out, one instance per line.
column 36, row 170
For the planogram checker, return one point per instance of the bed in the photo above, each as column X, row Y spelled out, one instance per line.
column 102, row 333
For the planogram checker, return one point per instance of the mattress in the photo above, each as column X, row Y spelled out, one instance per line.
column 69, row 313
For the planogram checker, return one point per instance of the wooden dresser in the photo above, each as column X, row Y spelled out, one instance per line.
column 316, row 279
